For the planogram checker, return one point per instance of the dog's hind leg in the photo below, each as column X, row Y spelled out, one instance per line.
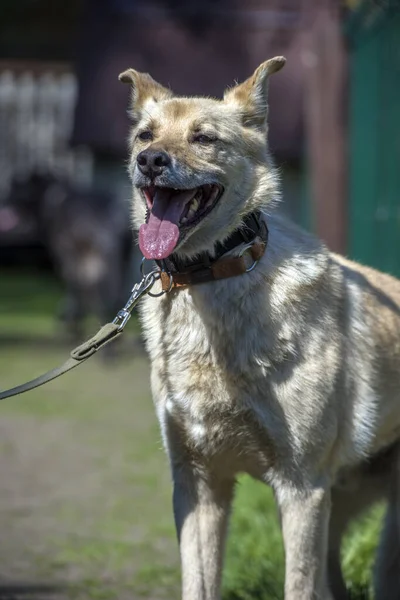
column 355, row 491
column 337, row 584
column 388, row 562
column 201, row 508
column 345, row 506
column 387, row 570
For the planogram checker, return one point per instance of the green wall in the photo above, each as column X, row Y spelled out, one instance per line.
column 374, row 128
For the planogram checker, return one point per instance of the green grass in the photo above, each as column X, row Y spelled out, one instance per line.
column 83, row 458
column 255, row 552
column 27, row 301
column 29, row 304
column 255, row 559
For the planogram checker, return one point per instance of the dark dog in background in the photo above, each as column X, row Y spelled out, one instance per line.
column 89, row 240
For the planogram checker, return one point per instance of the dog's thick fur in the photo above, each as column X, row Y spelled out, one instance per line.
column 290, row 373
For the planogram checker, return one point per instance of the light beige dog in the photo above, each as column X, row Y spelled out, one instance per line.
column 290, row 372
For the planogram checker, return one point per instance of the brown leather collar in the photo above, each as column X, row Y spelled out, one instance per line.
column 176, row 273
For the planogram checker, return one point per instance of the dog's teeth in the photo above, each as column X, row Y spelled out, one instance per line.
column 191, row 213
column 184, row 220
column 194, row 205
column 211, row 199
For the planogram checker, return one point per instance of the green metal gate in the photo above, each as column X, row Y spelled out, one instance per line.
column 374, row 127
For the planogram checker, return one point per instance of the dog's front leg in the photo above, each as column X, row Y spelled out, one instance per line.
column 305, row 521
column 201, row 508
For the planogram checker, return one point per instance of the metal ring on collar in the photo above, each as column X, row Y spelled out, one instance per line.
column 255, row 262
column 171, row 282
column 156, row 274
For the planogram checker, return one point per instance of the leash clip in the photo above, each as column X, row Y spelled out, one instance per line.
column 138, row 291
column 122, row 318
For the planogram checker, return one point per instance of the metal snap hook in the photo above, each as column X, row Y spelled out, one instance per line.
column 142, row 271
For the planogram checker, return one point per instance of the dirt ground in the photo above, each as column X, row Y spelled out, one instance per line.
column 85, row 509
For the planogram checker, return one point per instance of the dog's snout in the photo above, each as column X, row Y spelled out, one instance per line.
column 152, row 162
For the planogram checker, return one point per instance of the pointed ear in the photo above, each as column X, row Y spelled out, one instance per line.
column 252, row 95
column 144, row 89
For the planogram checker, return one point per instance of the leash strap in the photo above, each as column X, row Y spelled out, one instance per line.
column 107, row 334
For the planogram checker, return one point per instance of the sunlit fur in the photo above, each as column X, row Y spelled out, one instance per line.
column 290, row 373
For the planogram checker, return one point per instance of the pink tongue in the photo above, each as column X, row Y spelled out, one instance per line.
column 159, row 236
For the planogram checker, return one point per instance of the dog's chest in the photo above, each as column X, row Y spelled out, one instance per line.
column 199, row 382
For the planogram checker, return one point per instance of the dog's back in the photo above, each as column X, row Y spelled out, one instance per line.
column 375, row 313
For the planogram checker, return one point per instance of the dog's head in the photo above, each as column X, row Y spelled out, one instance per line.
column 198, row 165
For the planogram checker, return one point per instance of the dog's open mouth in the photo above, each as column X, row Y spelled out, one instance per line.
column 171, row 213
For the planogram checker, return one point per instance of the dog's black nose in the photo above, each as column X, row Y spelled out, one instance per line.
column 152, row 162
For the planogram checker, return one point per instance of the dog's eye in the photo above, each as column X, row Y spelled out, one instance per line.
column 145, row 135
column 202, row 138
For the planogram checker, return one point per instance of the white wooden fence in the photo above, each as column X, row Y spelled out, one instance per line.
column 36, row 116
